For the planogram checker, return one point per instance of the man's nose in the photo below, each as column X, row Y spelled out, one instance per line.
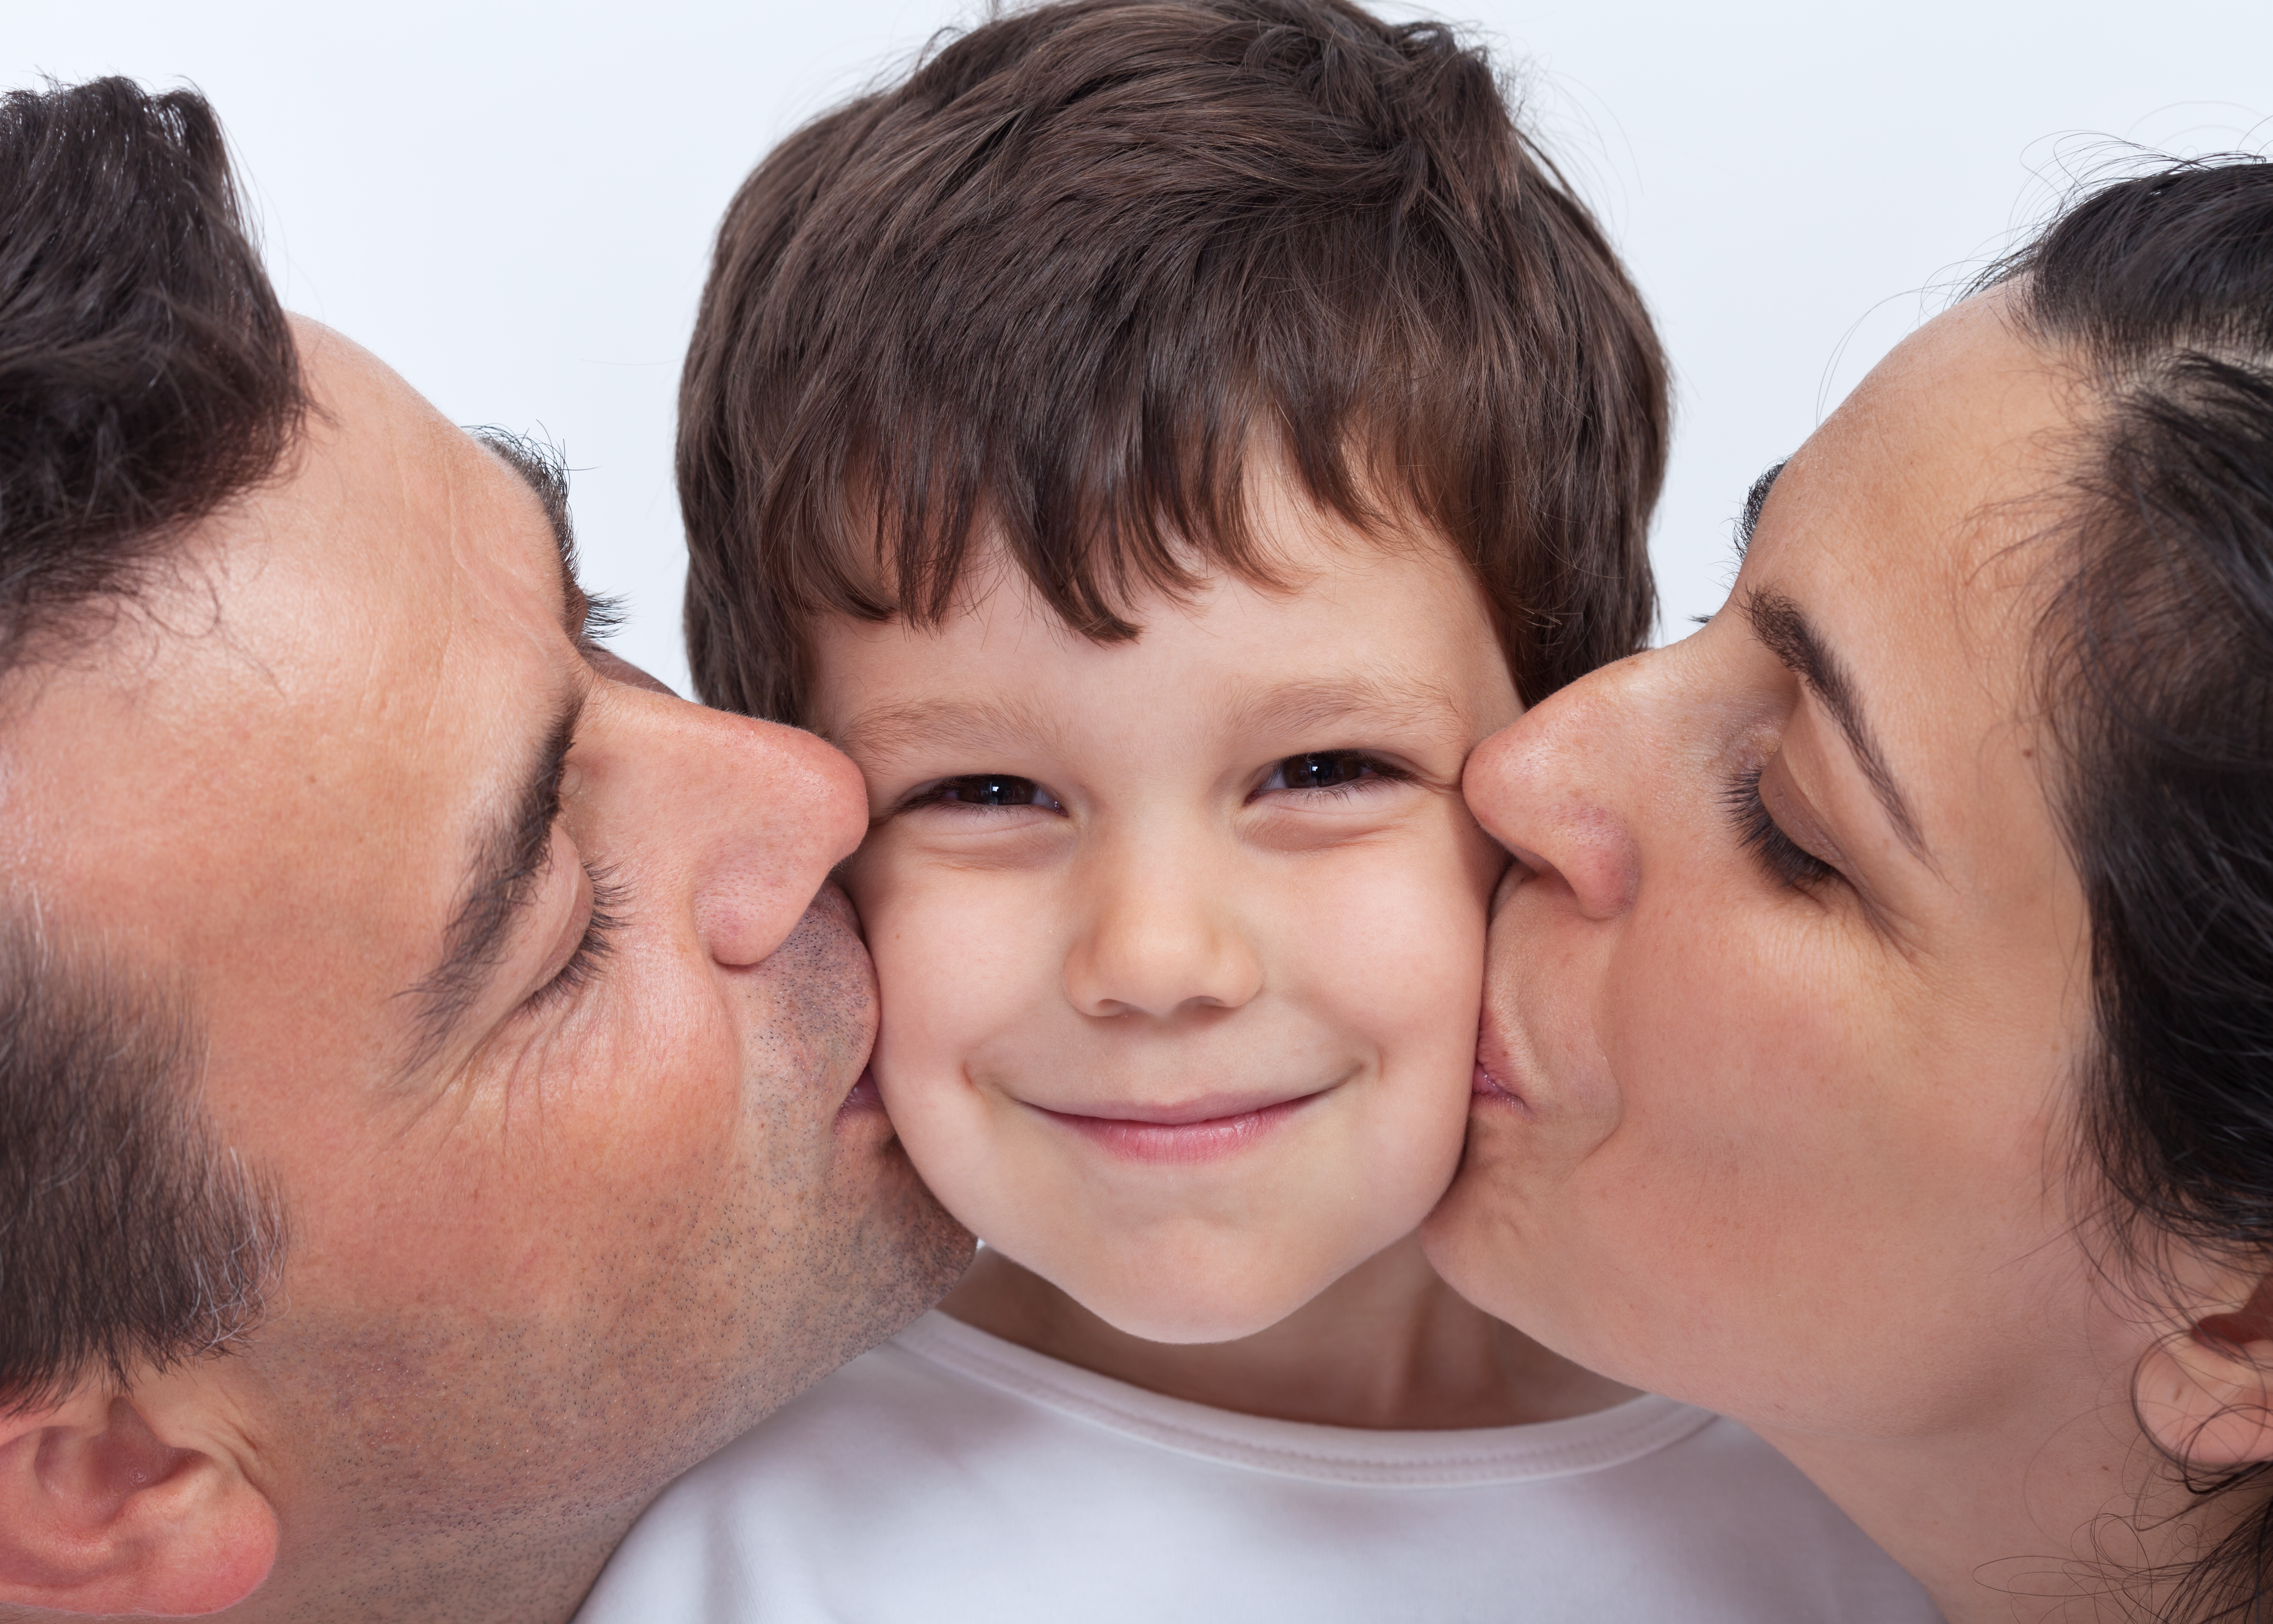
column 1160, row 934
column 758, row 813
column 1557, row 786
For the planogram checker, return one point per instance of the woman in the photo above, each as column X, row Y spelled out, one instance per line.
column 1878, row 1045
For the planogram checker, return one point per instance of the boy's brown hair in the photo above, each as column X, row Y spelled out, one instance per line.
column 1054, row 290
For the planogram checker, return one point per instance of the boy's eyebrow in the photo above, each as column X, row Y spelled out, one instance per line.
column 1393, row 702
column 952, row 724
column 956, row 725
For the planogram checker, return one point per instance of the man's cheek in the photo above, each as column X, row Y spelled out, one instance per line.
column 811, row 1007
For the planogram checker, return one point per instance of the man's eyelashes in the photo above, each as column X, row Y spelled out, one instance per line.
column 599, row 941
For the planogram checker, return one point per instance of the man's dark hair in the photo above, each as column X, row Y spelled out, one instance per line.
column 146, row 375
column 1064, row 285
column 2158, row 664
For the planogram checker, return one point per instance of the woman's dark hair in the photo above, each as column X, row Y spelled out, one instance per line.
column 2158, row 651
column 1092, row 260
column 146, row 375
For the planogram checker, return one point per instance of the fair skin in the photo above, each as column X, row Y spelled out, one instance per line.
column 1782, row 1080
column 546, row 1257
column 1180, row 938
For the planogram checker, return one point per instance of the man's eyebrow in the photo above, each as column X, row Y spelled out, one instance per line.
column 1785, row 630
column 509, row 858
column 545, row 472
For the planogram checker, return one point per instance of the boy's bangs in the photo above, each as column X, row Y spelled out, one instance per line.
column 1070, row 290
column 1097, row 522
column 1119, row 460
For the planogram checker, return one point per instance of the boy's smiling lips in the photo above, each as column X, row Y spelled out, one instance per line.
column 1202, row 1129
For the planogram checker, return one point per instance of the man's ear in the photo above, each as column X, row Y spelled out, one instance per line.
column 2206, row 1395
column 128, row 1503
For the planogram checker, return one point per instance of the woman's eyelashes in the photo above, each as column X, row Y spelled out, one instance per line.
column 1332, row 771
column 599, row 941
column 1786, row 860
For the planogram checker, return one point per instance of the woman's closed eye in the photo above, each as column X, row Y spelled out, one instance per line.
column 1786, row 861
column 1333, row 771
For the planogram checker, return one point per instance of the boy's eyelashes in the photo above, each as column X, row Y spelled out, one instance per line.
column 1315, row 772
column 985, row 789
column 1331, row 770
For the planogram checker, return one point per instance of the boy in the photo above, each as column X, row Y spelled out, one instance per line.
column 1157, row 442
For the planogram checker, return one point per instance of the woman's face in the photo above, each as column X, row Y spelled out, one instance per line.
column 1784, row 1005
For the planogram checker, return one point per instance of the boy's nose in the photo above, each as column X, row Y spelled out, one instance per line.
column 1160, row 939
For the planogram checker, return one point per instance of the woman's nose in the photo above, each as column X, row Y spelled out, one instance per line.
column 1558, row 786
column 755, row 814
column 1159, row 936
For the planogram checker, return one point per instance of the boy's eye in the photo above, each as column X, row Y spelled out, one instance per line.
column 993, row 790
column 1322, row 769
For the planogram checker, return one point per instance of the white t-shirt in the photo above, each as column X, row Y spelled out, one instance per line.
column 950, row 1475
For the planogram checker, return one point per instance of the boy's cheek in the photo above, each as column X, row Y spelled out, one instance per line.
column 1396, row 935
column 959, row 958
column 1483, row 860
column 938, row 933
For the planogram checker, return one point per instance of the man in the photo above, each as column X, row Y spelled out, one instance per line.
column 427, row 1076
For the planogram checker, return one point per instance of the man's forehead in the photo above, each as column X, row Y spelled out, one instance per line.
column 280, row 773
column 410, row 492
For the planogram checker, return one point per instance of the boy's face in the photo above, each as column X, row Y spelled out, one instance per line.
column 1180, row 940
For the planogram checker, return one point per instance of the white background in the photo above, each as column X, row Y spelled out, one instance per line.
column 513, row 204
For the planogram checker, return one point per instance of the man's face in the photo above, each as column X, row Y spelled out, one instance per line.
column 553, row 1080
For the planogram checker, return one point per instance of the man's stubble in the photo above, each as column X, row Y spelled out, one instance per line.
column 474, row 1464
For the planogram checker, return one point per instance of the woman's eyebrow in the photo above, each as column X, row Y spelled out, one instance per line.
column 1788, row 633
column 1748, row 521
column 1755, row 499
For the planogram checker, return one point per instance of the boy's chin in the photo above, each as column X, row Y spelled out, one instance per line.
column 1189, row 1314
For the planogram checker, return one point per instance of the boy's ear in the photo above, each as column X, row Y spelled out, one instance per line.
column 116, row 1503
column 2206, row 1395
